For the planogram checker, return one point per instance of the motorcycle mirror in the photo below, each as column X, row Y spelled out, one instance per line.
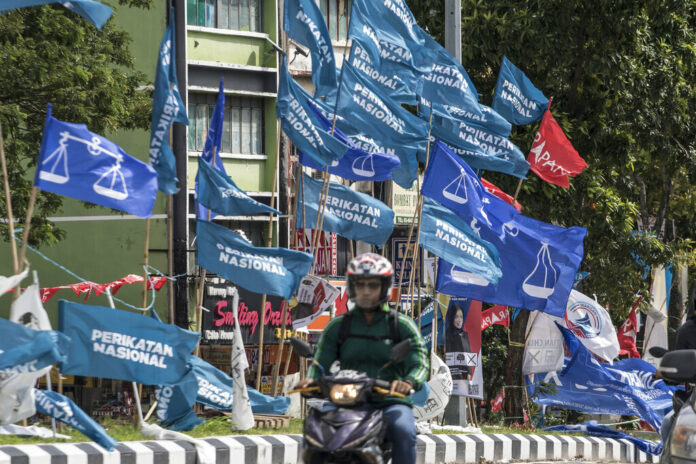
column 400, row 351
column 679, row 366
column 301, row 347
column 657, row 351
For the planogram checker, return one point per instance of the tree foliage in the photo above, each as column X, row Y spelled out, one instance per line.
column 621, row 77
column 51, row 55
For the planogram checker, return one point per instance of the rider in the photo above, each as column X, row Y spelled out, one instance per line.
column 366, row 348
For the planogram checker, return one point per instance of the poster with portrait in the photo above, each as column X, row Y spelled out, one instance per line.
column 463, row 346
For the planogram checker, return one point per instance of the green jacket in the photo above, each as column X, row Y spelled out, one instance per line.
column 369, row 356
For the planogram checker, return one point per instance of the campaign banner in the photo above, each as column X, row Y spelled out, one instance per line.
column 114, row 344
column 463, row 346
column 498, row 314
column 301, row 125
column 627, row 387
column 538, row 260
column 314, row 296
column 24, row 350
column 516, row 98
column 213, row 146
column 304, row 23
column 594, row 429
column 218, row 324
column 375, row 115
column 175, row 404
column 214, row 386
column 62, row 408
column 167, row 108
column 543, row 346
column 404, row 258
column 274, row 271
column 446, row 235
column 426, row 322
column 77, row 163
column 440, row 384
column 487, row 118
column 219, row 193
column 351, row 214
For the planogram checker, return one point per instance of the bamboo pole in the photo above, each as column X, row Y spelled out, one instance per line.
column 27, row 224
column 146, row 257
column 517, row 191
column 269, row 241
column 8, row 201
column 170, row 255
column 319, row 221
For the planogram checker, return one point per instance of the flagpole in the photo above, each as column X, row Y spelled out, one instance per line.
column 27, row 225
column 517, row 191
column 146, row 257
column 8, row 201
column 170, row 255
column 269, row 242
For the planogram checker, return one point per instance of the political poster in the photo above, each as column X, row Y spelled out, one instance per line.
column 314, row 296
column 463, row 346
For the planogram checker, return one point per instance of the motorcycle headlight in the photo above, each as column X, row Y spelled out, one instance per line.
column 683, row 440
column 345, row 394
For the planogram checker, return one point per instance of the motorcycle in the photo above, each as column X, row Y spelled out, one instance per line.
column 680, row 367
column 344, row 429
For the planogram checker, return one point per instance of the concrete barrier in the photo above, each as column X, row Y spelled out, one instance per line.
column 285, row 449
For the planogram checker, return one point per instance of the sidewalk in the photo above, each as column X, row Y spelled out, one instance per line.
column 284, row 449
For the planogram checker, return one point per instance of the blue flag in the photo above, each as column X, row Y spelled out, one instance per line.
column 596, row 430
column 167, row 108
column 24, row 350
column 266, row 404
column 213, row 144
column 446, row 235
column 538, row 260
column 93, row 11
column 273, row 271
column 77, row 163
column 516, row 98
column 175, row 403
column 351, row 214
column 376, row 116
column 114, row 344
column 219, row 193
column 305, row 24
column 627, row 387
column 300, row 123
column 62, row 408
column 495, row 147
column 487, row 118
column 384, row 75
column 388, row 29
column 214, row 386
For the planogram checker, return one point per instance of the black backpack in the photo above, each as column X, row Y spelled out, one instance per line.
column 344, row 330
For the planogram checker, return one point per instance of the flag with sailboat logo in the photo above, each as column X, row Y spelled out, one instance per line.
column 77, row 163
column 538, row 260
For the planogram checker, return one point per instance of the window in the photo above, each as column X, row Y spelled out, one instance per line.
column 242, row 131
column 337, row 14
column 236, row 15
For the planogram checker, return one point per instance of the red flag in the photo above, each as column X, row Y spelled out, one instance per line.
column 497, row 402
column 157, row 282
column 627, row 333
column 491, row 188
column 498, row 314
column 552, row 157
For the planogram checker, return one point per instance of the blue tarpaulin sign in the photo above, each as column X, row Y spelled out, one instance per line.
column 273, row 271
column 114, row 344
column 516, row 98
column 351, row 214
column 65, row 410
column 77, row 163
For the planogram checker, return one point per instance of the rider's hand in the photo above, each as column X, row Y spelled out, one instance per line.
column 400, row 386
column 304, row 383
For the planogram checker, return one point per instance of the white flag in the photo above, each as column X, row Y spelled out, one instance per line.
column 242, row 416
column 440, row 390
column 591, row 323
column 28, row 310
column 8, row 283
column 543, row 350
column 656, row 322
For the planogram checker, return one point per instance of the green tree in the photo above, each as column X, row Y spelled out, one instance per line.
column 51, row 55
column 621, row 76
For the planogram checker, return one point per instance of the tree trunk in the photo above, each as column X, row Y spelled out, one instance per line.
column 514, row 396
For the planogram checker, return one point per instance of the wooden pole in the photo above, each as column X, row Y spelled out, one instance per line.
column 269, row 242
column 319, row 222
column 8, row 201
column 517, row 191
column 27, row 224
